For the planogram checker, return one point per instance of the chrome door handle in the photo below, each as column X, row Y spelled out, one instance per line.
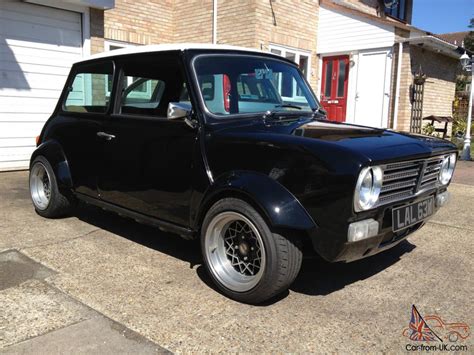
column 106, row 136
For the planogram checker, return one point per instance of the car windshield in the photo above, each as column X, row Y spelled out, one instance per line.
column 239, row 84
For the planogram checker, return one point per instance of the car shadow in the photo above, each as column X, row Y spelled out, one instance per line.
column 148, row 236
column 317, row 277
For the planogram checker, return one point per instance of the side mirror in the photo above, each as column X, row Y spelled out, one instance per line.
column 178, row 110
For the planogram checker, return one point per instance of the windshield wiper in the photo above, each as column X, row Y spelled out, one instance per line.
column 319, row 114
column 288, row 106
column 275, row 111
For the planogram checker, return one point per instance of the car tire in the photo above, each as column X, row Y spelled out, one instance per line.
column 48, row 201
column 246, row 261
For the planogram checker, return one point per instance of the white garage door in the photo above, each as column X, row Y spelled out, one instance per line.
column 38, row 44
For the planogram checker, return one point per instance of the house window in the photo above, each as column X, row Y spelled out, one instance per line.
column 286, row 85
column 396, row 8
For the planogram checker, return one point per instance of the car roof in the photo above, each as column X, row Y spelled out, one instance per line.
column 172, row 47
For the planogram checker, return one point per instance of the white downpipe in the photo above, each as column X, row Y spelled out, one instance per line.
column 214, row 22
column 397, row 85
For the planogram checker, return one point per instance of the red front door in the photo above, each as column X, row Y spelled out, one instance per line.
column 334, row 87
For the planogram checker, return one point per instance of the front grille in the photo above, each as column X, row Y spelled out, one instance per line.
column 405, row 179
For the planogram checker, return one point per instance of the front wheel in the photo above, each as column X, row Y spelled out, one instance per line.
column 48, row 201
column 245, row 259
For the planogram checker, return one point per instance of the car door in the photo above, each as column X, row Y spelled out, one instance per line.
column 147, row 166
column 80, row 120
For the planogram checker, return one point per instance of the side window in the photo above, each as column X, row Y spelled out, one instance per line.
column 150, row 83
column 88, row 91
column 142, row 92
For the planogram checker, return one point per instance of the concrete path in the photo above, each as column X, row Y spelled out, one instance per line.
column 98, row 283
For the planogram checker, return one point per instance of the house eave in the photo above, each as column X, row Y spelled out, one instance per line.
column 437, row 45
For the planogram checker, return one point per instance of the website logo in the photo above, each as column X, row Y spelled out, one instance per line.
column 434, row 330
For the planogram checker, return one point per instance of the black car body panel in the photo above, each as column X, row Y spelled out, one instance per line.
column 299, row 172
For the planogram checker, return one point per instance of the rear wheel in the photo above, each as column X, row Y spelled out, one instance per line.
column 47, row 199
column 245, row 259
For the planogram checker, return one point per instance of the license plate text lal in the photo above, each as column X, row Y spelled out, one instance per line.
column 413, row 214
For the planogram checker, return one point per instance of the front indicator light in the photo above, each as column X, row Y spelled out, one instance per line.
column 362, row 230
column 442, row 199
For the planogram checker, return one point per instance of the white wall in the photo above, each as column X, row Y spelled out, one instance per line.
column 38, row 44
column 339, row 32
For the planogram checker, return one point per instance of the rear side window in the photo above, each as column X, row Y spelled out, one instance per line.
column 90, row 89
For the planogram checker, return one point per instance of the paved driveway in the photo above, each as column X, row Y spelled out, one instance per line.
column 98, row 282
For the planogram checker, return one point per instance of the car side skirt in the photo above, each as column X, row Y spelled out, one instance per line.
column 184, row 232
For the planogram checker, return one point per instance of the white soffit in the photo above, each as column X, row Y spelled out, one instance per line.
column 436, row 45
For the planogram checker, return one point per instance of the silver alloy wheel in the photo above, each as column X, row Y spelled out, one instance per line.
column 234, row 251
column 40, row 186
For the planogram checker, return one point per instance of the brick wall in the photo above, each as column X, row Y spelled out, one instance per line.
column 439, row 88
column 440, row 84
column 406, row 79
column 192, row 21
column 140, row 21
column 289, row 23
column 248, row 23
column 97, row 30
column 237, row 23
column 400, row 35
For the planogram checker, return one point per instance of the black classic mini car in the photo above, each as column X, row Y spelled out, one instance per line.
column 231, row 146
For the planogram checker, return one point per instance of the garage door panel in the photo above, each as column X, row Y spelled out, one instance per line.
column 38, row 60
column 24, row 117
column 38, row 45
column 20, row 129
column 17, row 142
column 27, row 104
column 18, row 159
column 37, row 19
column 38, row 93
column 25, row 53
column 31, row 81
column 41, row 68
column 16, row 153
column 40, row 33
column 38, row 10
column 69, row 53
column 14, row 165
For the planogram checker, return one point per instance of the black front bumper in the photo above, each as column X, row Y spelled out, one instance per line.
column 334, row 247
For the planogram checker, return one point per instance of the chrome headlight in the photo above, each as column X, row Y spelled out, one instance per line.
column 447, row 169
column 368, row 188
